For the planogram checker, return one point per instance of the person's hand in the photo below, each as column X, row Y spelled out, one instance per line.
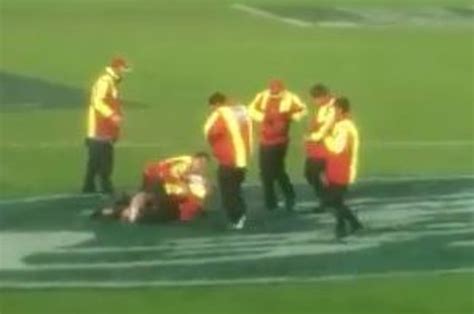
column 116, row 119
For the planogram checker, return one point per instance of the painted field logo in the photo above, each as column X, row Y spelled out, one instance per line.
column 412, row 226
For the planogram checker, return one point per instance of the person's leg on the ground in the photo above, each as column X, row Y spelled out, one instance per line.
column 241, row 206
column 346, row 212
column 92, row 166
column 106, row 167
column 230, row 182
column 343, row 213
column 268, row 175
column 225, row 190
column 314, row 170
column 282, row 176
column 332, row 199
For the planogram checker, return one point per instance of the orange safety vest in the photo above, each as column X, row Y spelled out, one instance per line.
column 229, row 132
column 275, row 113
column 343, row 148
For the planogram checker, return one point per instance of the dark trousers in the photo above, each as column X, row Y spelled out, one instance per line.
column 272, row 170
column 100, row 163
column 230, row 181
column 335, row 199
column 313, row 172
column 162, row 208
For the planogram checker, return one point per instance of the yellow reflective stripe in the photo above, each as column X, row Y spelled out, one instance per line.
column 336, row 143
column 236, row 135
column 326, row 115
column 99, row 92
column 255, row 113
column 250, row 134
column 285, row 102
column 301, row 107
column 355, row 153
column 91, row 123
column 179, row 165
column 210, row 122
column 172, row 188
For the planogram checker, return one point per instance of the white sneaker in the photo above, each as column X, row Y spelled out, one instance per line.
column 241, row 223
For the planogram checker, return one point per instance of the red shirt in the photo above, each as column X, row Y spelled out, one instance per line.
column 276, row 114
column 170, row 170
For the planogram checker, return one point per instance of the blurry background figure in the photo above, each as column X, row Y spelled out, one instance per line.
column 342, row 145
column 321, row 123
column 275, row 108
column 103, row 127
column 229, row 132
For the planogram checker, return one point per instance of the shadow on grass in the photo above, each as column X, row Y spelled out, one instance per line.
column 19, row 92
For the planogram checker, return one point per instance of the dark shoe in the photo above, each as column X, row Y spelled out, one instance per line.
column 341, row 231
column 290, row 204
column 356, row 228
column 89, row 190
column 271, row 207
column 319, row 210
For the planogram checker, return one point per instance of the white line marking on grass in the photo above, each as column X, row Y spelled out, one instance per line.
column 466, row 243
column 226, row 282
column 43, row 198
column 269, row 15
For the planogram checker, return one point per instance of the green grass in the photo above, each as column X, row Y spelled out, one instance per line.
column 444, row 294
column 406, row 84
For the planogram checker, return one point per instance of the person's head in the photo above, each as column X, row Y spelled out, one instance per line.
column 320, row 94
column 276, row 87
column 343, row 107
column 200, row 162
column 119, row 65
column 217, row 99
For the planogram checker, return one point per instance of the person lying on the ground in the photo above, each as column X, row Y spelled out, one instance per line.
column 172, row 189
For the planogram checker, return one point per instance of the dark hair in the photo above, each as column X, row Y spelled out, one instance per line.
column 217, row 98
column 343, row 103
column 202, row 154
column 319, row 90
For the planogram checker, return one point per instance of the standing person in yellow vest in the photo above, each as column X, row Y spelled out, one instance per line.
column 104, row 119
column 342, row 145
column 228, row 131
column 275, row 109
column 321, row 122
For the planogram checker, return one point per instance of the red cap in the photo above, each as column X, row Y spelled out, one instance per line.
column 118, row 62
column 276, row 86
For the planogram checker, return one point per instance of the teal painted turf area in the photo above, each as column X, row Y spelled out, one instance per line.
column 407, row 67
column 419, row 237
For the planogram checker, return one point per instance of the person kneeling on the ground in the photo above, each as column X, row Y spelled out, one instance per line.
column 172, row 189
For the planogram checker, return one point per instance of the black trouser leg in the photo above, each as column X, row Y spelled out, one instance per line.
column 334, row 198
column 282, row 177
column 314, row 169
column 267, row 175
column 92, row 166
column 272, row 169
column 162, row 207
column 106, row 166
column 230, row 181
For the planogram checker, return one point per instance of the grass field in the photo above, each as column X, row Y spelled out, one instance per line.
column 406, row 65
